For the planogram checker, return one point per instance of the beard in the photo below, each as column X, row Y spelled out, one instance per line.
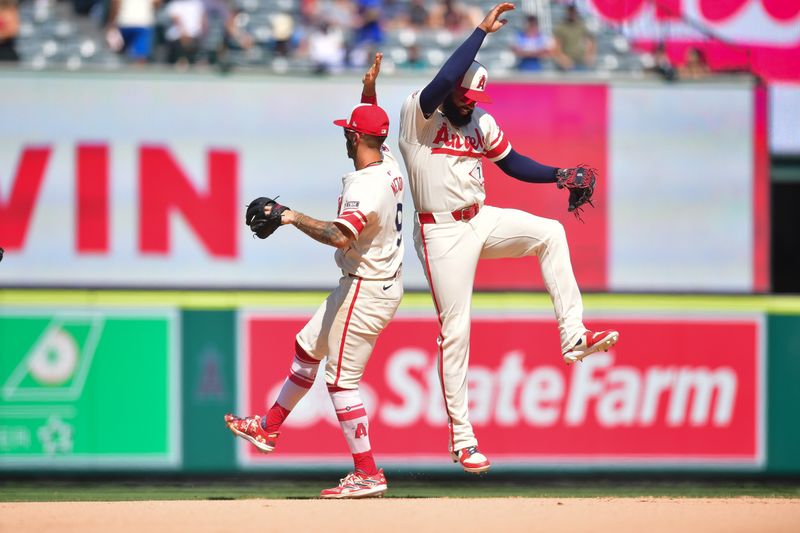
column 453, row 114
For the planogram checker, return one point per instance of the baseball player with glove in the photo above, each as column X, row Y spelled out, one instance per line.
column 369, row 250
column 443, row 140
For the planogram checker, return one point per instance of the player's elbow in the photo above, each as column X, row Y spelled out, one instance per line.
column 341, row 240
column 340, row 236
column 341, row 243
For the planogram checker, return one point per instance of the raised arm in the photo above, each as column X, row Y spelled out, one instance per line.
column 368, row 93
column 454, row 68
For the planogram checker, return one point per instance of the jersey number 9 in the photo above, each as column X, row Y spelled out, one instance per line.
column 398, row 222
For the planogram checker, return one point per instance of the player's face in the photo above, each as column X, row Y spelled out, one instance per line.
column 458, row 108
column 350, row 143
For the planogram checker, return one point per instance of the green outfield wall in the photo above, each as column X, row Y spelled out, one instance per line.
column 783, row 383
column 132, row 380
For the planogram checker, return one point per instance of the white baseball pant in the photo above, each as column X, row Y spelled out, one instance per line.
column 449, row 252
column 347, row 324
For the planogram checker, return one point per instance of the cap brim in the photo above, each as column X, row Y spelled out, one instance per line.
column 478, row 96
column 341, row 122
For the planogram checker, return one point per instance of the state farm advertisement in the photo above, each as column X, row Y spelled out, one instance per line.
column 673, row 392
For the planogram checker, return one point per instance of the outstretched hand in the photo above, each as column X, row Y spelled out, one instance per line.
column 372, row 75
column 492, row 22
column 287, row 215
column 374, row 70
column 264, row 215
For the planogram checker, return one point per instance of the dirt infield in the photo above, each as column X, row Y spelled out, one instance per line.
column 494, row 515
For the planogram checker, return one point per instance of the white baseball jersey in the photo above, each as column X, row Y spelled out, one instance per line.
column 371, row 207
column 345, row 327
column 439, row 183
column 445, row 174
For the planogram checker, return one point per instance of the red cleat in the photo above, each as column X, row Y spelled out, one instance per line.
column 590, row 342
column 471, row 460
column 357, row 485
column 250, row 428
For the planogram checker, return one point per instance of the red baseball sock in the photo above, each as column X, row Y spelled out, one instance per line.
column 365, row 462
column 301, row 378
column 275, row 417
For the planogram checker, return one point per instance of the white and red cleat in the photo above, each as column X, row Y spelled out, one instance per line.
column 358, row 485
column 471, row 460
column 590, row 342
column 250, row 428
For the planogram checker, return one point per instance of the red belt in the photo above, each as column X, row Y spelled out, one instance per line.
column 464, row 214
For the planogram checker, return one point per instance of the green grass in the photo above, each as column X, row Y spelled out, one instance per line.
column 51, row 491
column 412, row 301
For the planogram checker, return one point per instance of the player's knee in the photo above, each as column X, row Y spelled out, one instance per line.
column 304, row 353
column 555, row 231
column 455, row 320
column 456, row 335
column 342, row 385
column 336, row 383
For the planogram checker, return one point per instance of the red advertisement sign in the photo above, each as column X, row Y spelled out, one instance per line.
column 674, row 391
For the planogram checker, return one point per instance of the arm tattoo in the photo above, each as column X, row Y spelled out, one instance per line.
column 324, row 232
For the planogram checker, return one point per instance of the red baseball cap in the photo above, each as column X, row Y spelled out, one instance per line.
column 366, row 118
column 473, row 84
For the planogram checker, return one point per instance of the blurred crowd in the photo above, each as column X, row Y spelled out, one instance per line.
column 329, row 35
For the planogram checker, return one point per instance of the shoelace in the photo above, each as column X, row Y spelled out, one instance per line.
column 249, row 423
column 349, row 478
column 472, row 450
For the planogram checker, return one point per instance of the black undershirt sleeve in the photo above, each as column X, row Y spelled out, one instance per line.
column 526, row 169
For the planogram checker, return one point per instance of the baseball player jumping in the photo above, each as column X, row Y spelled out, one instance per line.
column 367, row 236
column 443, row 139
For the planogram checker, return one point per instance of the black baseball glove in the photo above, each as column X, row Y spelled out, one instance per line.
column 261, row 224
column 580, row 181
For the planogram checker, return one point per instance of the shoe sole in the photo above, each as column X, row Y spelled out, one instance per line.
column 470, row 469
column 376, row 492
column 476, row 470
column 604, row 345
column 263, row 448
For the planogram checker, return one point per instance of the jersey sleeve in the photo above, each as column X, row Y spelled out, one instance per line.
column 412, row 119
column 497, row 146
column 358, row 208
